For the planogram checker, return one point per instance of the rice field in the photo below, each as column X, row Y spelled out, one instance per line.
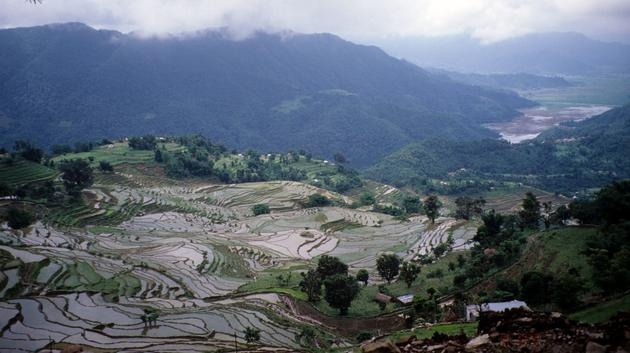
column 186, row 256
column 20, row 172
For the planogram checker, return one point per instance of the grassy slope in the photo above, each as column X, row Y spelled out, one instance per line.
column 117, row 154
column 554, row 252
column 468, row 328
column 603, row 311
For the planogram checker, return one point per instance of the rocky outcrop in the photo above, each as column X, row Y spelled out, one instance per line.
column 520, row 330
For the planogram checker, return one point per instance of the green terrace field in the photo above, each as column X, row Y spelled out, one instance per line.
column 20, row 172
column 118, row 153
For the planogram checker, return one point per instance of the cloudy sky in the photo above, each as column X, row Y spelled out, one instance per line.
column 361, row 20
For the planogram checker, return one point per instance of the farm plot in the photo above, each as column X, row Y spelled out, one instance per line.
column 359, row 247
column 91, row 321
column 279, row 195
column 20, row 172
column 189, row 265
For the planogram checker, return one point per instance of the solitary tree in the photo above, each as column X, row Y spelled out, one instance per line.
column 488, row 234
column 252, row 334
column 317, row 200
column 412, row 204
column 76, row 175
column 311, row 284
column 363, row 276
column 530, row 212
column 340, row 291
column 339, row 158
column 260, row 208
column 388, row 266
column 367, row 198
column 329, row 265
column 409, row 272
column 432, row 207
column 105, row 166
column 18, row 219
column 157, row 155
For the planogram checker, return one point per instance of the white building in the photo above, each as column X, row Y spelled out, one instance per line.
column 472, row 311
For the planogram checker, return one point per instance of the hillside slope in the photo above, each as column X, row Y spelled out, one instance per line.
column 574, row 156
column 67, row 82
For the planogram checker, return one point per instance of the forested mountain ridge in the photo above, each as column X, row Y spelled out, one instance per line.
column 568, row 158
column 67, row 82
column 519, row 81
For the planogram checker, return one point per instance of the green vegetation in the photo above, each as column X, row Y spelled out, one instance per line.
column 118, row 153
column 260, row 208
column 339, row 291
column 18, row 219
column 76, row 175
column 252, row 334
column 603, row 311
column 570, row 158
column 388, row 266
column 432, row 207
column 82, row 277
column 468, row 328
column 17, row 171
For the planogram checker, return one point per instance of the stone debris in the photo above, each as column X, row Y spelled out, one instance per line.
column 520, row 330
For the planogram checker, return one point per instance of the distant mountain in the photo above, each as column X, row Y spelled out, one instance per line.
column 67, row 82
column 540, row 53
column 568, row 158
column 519, row 81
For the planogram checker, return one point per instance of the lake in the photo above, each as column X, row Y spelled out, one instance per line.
column 535, row 120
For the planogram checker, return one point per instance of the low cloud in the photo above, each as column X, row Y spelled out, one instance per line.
column 487, row 20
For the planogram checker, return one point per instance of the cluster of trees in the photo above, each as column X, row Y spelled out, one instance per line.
column 539, row 289
column 340, row 180
column 76, row 175
column 199, row 157
column 500, row 240
column 409, row 204
column 468, row 207
column 608, row 252
column 148, row 142
column 28, row 151
column 81, row 146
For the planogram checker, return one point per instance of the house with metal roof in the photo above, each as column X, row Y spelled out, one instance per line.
column 472, row 311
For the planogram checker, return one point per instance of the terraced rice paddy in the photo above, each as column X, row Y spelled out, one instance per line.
column 93, row 274
column 23, row 172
